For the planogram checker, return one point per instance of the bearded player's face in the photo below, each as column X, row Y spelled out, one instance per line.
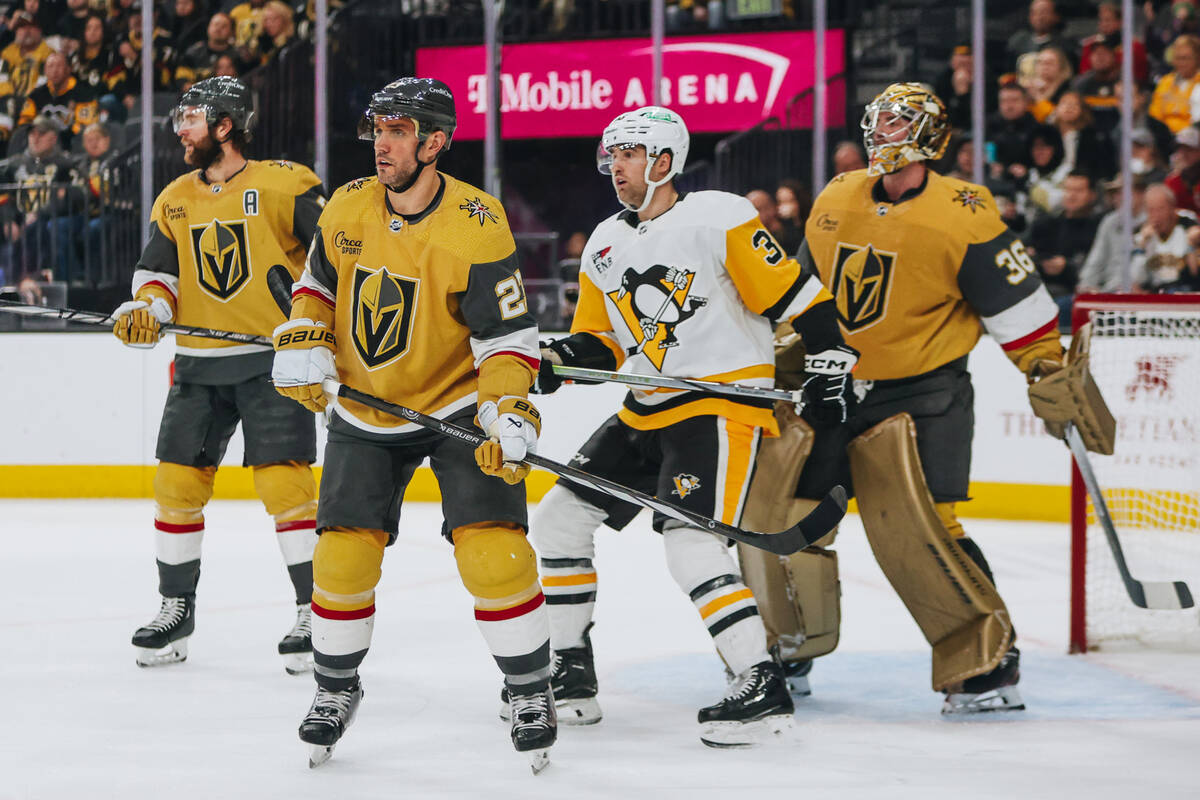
column 199, row 147
column 395, row 150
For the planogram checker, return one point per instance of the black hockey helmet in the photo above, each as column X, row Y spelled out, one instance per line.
column 219, row 97
column 426, row 101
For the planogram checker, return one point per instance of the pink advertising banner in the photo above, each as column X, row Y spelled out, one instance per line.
column 718, row 83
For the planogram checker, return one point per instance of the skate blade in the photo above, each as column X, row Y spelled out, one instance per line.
column 318, row 754
column 298, row 663
column 584, row 711
column 1006, row 698
column 173, row 653
column 747, row 734
column 798, row 686
column 538, row 760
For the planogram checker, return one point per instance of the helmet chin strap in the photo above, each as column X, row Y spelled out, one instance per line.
column 650, row 187
column 401, row 188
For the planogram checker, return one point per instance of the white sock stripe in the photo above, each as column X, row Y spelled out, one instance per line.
column 518, row 636
column 341, row 637
column 177, row 548
column 296, row 545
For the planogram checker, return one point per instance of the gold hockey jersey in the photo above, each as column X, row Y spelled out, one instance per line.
column 913, row 280
column 418, row 302
column 211, row 246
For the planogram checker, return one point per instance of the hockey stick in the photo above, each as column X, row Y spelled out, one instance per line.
column 1144, row 594
column 103, row 320
column 817, row 524
column 670, row 382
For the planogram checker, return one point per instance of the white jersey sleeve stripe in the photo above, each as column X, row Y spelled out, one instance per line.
column 1023, row 318
column 143, row 277
column 522, row 343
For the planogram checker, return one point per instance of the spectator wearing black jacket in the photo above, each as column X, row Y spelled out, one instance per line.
column 955, row 86
column 1085, row 147
column 1009, row 129
column 1059, row 243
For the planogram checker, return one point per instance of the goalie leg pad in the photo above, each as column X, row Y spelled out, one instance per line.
column 563, row 529
column 499, row 569
column 346, row 568
column 180, row 494
column 949, row 596
column 798, row 595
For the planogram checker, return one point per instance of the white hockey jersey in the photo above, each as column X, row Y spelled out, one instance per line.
column 692, row 293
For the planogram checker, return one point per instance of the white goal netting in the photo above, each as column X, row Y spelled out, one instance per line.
column 1146, row 361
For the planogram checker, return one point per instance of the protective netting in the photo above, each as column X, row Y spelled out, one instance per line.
column 1147, row 365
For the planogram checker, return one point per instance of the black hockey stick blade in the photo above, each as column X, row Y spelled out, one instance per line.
column 1165, row 595
column 819, row 522
column 279, row 282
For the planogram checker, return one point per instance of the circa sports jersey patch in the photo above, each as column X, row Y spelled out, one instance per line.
column 862, row 277
column 685, row 484
column 382, row 315
column 476, row 209
column 222, row 255
column 970, row 198
column 653, row 304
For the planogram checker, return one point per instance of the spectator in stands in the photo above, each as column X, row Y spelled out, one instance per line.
column 847, row 157
column 1108, row 25
column 1042, row 188
column 69, row 102
column 198, row 62
column 45, row 14
column 1164, row 140
column 1164, row 258
column 683, row 15
column 793, row 201
column 1184, row 178
column 1085, row 148
column 44, row 173
column 278, row 30
column 119, row 12
column 71, row 24
column 954, row 87
column 1009, row 129
column 1176, row 101
column 247, row 20
column 1023, row 46
column 1099, row 84
column 786, row 233
column 24, row 58
column 1145, row 161
column 125, row 79
column 963, row 153
column 1059, row 243
column 1102, row 269
column 88, row 221
column 1168, row 23
column 188, row 26
column 226, row 66
column 1051, row 77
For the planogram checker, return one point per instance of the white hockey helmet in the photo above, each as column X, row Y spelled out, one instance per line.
column 657, row 129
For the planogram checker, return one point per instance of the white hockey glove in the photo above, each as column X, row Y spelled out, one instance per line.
column 512, row 425
column 304, row 356
column 829, row 389
column 139, row 324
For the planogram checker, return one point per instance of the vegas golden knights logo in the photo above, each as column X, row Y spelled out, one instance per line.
column 382, row 316
column 222, row 254
column 862, row 277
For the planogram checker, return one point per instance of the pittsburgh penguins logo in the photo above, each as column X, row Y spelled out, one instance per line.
column 653, row 304
column 685, row 484
column 382, row 315
column 862, row 277
column 222, row 257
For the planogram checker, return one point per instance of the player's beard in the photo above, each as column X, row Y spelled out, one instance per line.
column 400, row 178
column 205, row 153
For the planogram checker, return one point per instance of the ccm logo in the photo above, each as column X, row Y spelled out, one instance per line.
column 316, row 335
column 827, row 364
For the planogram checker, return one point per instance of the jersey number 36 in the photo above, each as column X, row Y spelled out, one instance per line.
column 1016, row 261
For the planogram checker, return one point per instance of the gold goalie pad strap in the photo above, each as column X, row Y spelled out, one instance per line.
column 1070, row 395
column 949, row 597
column 798, row 595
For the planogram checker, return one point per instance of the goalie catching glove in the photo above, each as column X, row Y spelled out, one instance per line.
column 303, row 358
column 829, row 389
column 512, row 425
column 138, row 322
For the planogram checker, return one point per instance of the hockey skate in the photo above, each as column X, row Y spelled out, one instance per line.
column 573, row 680
column 296, row 645
column 992, row 691
column 756, row 710
column 328, row 718
column 163, row 640
column 796, row 674
column 534, row 726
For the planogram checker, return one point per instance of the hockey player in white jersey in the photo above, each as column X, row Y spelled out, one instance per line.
column 683, row 284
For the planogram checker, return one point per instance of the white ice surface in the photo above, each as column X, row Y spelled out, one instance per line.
column 81, row 721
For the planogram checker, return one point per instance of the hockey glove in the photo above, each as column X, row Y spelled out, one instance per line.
column 138, row 323
column 546, row 381
column 513, row 425
column 829, row 387
column 577, row 350
column 303, row 358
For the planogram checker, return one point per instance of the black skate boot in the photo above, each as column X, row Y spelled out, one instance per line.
column 328, row 718
column 534, row 726
column 573, row 680
column 296, row 645
column 163, row 640
column 992, row 691
column 756, row 709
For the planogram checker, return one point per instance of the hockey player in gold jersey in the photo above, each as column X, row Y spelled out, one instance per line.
column 689, row 284
column 919, row 265
column 216, row 234
column 412, row 294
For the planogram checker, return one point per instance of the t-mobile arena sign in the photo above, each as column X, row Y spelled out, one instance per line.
column 718, row 83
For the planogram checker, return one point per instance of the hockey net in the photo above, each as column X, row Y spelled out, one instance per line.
column 1145, row 357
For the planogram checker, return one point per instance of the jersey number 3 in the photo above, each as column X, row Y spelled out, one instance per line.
column 764, row 240
column 512, row 297
column 1016, row 261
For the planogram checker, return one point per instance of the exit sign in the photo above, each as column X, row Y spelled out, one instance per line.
column 746, row 9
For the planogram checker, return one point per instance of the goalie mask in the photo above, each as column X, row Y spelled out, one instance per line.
column 216, row 98
column 924, row 134
column 655, row 128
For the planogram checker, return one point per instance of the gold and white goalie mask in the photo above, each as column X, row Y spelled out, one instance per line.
column 904, row 124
